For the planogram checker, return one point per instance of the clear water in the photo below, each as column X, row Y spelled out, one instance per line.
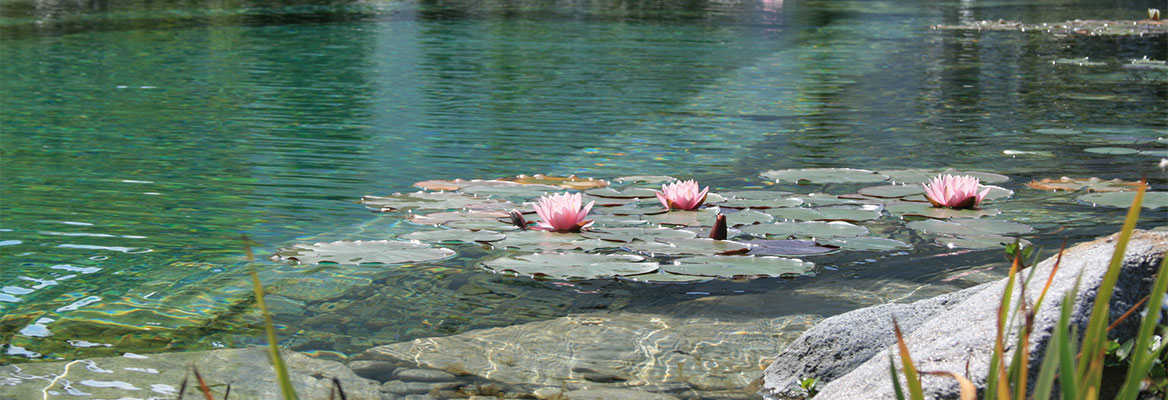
column 140, row 140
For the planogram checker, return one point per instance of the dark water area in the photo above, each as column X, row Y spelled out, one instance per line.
column 139, row 140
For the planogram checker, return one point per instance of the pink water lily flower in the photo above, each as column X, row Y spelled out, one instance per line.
column 954, row 191
column 682, row 195
column 562, row 212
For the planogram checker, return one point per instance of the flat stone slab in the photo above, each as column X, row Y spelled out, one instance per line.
column 647, row 352
column 249, row 371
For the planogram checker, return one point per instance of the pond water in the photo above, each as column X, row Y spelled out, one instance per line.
column 141, row 139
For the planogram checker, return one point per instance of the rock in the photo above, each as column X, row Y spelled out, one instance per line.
column 423, row 375
column 380, row 371
column 404, row 388
column 835, row 347
column 249, row 371
column 651, row 352
column 964, row 333
column 614, row 394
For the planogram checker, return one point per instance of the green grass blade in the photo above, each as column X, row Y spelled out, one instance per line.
column 1090, row 371
column 895, row 379
column 1046, row 373
column 282, row 376
column 1142, row 358
column 912, row 380
column 996, row 385
column 1068, row 384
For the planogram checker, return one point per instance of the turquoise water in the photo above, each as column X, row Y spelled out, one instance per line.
column 139, row 141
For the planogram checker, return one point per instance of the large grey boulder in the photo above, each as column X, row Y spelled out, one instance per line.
column 249, row 371
column 962, row 334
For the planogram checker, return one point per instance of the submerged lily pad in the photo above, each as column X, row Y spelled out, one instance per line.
column 645, row 179
column 455, row 236
column 868, row 243
column 740, row 266
column 824, row 175
column 1111, row 150
column 814, row 229
column 348, row 252
column 630, row 234
column 566, row 182
column 969, row 226
column 1088, row 184
column 789, row 247
column 928, row 211
column 665, row 278
column 572, row 266
column 1152, row 200
column 1057, row 131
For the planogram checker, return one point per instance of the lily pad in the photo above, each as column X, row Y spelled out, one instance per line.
column 703, row 217
column 446, row 217
column 629, row 234
column 892, row 191
column 795, row 213
column 1057, row 131
column 1088, row 184
column 602, row 221
column 359, row 252
column 789, row 247
column 746, row 217
column 760, row 203
column 665, row 278
column 481, row 224
column 813, row 229
column 689, row 246
column 1038, row 153
column 822, row 199
column 918, row 176
column 1111, row 150
column 969, row 226
column 868, row 243
column 850, row 213
column 511, row 190
column 740, row 266
column 1154, row 153
column 566, row 182
column 610, row 201
column 824, row 175
column 978, row 241
column 455, row 236
column 1082, row 62
column 928, row 211
column 755, row 194
column 572, row 266
column 537, row 240
column 423, row 201
column 1152, row 200
column 641, row 193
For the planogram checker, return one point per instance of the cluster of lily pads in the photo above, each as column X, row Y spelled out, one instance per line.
column 638, row 233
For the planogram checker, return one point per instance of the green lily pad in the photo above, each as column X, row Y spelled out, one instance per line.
column 849, row 213
column 1111, row 150
column 455, row 236
column 703, row 217
column 664, row 278
column 755, row 194
column 511, row 189
column 423, row 201
column 1154, row 153
column 446, row 217
column 629, row 234
column 1057, row 131
column 566, row 182
column 689, row 246
column 822, row 199
column 759, row 203
column 1038, row 153
column 928, row 211
column 1152, row 200
column 813, row 229
column 1082, row 62
column 645, row 179
column 641, row 193
column 609, row 201
column 746, row 217
column 537, row 240
column 969, row 226
column 789, row 247
column 572, row 266
column 892, row 191
column 795, row 213
column 481, row 224
column 868, row 243
column 978, row 241
column 740, row 266
column 348, row 252
column 616, row 221
column 919, row 176
column 824, row 175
